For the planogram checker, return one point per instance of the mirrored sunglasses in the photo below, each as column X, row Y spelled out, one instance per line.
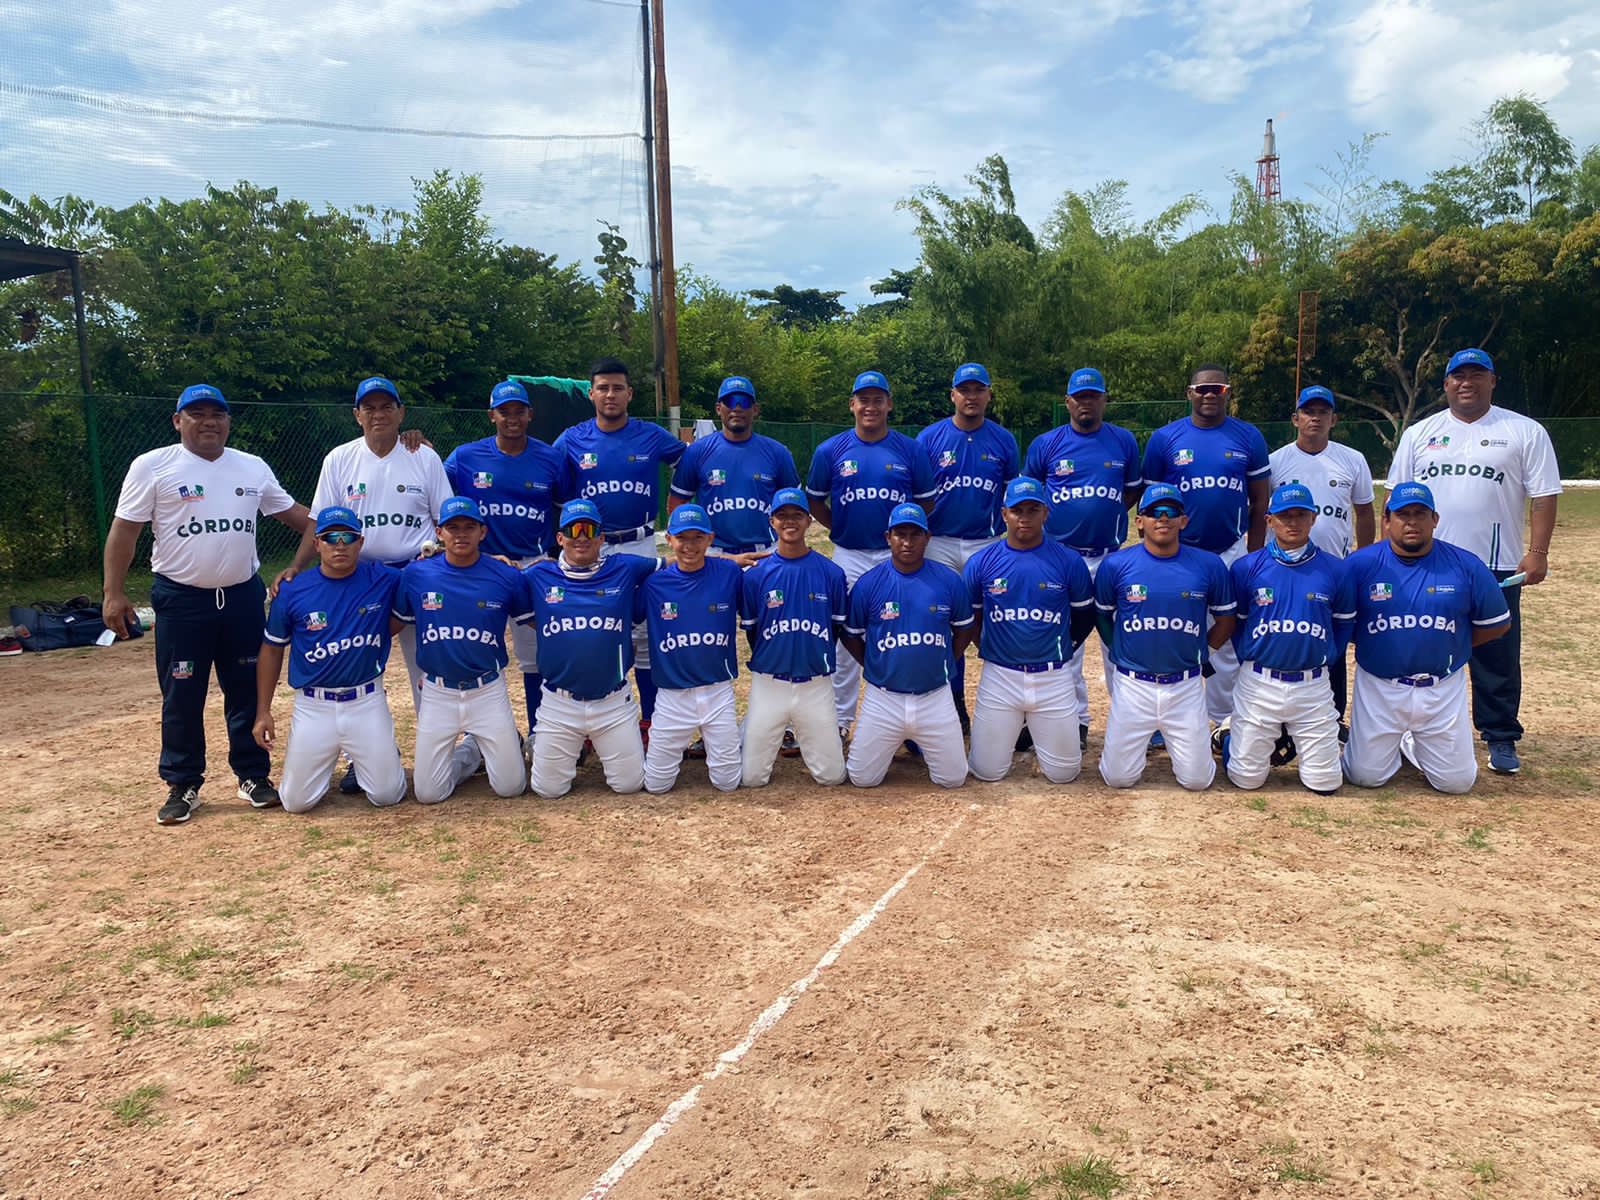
column 738, row 400
column 339, row 537
column 581, row 529
column 1211, row 389
column 1169, row 511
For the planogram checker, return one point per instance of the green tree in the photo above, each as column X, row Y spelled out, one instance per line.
column 792, row 306
column 1525, row 155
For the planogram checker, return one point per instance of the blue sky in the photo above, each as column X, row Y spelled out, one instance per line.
column 796, row 127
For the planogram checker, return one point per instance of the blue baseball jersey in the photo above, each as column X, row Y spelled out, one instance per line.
column 515, row 492
column 1415, row 616
column 793, row 604
column 337, row 630
column 1026, row 599
column 584, row 626
column 1213, row 469
column 693, row 620
column 1158, row 606
column 1087, row 475
column 1285, row 610
column 460, row 614
column 618, row 471
column 970, row 471
column 863, row 481
column 909, row 623
column 735, row 482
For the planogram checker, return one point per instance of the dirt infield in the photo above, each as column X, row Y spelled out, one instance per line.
column 1374, row 994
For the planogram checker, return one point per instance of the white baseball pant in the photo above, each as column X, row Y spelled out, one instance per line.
column 680, row 712
column 611, row 723
column 847, row 673
column 775, row 705
column 320, row 730
column 644, row 547
column 1138, row 709
column 1075, row 664
column 953, row 552
column 442, row 763
column 1225, row 662
column 1262, row 705
column 1045, row 701
column 891, row 718
column 1437, row 718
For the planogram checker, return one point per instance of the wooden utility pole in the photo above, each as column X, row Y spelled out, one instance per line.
column 654, row 265
column 667, row 354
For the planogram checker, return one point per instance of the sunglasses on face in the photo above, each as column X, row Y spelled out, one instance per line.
column 738, row 400
column 1164, row 510
column 339, row 537
column 581, row 529
column 1211, row 389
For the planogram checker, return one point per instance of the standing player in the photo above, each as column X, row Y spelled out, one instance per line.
column 332, row 622
column 692, row 612
column 1154, row 600
column 857, row 478
column 459, row 602
column 583, row 611
column 734, row 473
column 513, row 477
column 1421, row 608
column 201, row 500
column 615, row 463
column 1033, row 603
column 1220, row 466
column 973, row 458
column 1091, row 470
column 1341, row 483
column 792, row 606
column 394, row 491
column 1286, row 644
column 909, row 620
column 1489, row 466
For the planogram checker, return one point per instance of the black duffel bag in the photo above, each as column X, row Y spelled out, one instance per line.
column 53, row 625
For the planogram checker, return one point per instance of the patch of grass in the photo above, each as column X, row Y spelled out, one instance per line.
column 1317, row 819
column 248, row 1066
column 357, row 971
column 11, row 1077
column 13, row 1106
column 1258, row 803
column 529, row 832
column 1289, row 1166
column 57, row 1037
column 385, row 887
column 204, row 1020
column 1478, row 838
column 1484, row 1170
column 129, row 1023
column 236, row 907
column 1418, row 951
column 138, row 1106
column 1089, row 1178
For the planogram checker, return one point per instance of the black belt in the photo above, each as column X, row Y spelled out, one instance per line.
column 1171, row 677
column 340, row 695
column 573, row 696
column 1419, row 680
column 1288, row 676
column 623, row 537
column 1033, row 668
column 795, row 678
column 465, row 684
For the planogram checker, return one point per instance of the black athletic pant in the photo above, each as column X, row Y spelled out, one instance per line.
column 1497, row 677
column 198, row 629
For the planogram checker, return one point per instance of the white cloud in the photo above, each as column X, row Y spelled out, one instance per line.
column 1232, row 41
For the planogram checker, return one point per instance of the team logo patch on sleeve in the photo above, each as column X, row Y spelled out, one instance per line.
column 1137, row 593
column 716, row 478
column 1183, row 458
column 997, row 587
column 482, row 479
column 947, row 458
column 316, row 621
column 849, row 467
column 555, row 595
column 1263, row 595
column 669, row 611
column 775, row 598
column 889, row 611
column 185, row 492
column 1380, row 591
column 432, row 601
column 588, row 462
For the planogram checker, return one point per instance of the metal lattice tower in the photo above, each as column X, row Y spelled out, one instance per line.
column 1269, row 186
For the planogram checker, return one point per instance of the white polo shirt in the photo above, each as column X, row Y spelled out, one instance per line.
column 397, row 496
column 1339, row 479
column 201, row 512
column 1482, row 474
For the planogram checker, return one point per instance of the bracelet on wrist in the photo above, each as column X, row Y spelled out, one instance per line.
column 1536, row 550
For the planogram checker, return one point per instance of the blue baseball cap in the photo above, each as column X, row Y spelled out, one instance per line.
column 508, row 391
column 1316, row 392
column 908, row 514
column 869, row 379
column 736, row 385
column 686, row 517
column 970, row 373
column 460, row 506
column 577, row 510
column 1024, row 488
column 790, row 498
column 1472, row 357
column 200, row 393
column 337, row 516
column 1086, row 379
column 375, row 383
column 1409, row 493
column 1291, row 495
column 1158, row 493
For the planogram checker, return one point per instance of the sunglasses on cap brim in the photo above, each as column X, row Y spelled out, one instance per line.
column 580, row 529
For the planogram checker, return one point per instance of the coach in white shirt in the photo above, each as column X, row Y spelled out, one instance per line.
column 1488, row 466
column 201, row 500
column 1340, row 482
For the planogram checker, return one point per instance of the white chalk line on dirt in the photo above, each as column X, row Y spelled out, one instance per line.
column 769, row 1017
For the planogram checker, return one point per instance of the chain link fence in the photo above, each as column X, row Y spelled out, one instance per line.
column 68, row 453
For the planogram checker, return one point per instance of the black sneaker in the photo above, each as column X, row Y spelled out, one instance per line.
column 259, row 792
column 349, row 785
column 790, row 747
column 1024, row 741
column 182, row 800
column 1083, row 739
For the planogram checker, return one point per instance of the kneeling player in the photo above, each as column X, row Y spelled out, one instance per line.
column 691, row 610
column 333, row 625
column 459, row 602
column 1153, row 599
column 1033, row 604
column 792, row 606
column 909, row 620
column 1286, row 641
column 583, row 614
